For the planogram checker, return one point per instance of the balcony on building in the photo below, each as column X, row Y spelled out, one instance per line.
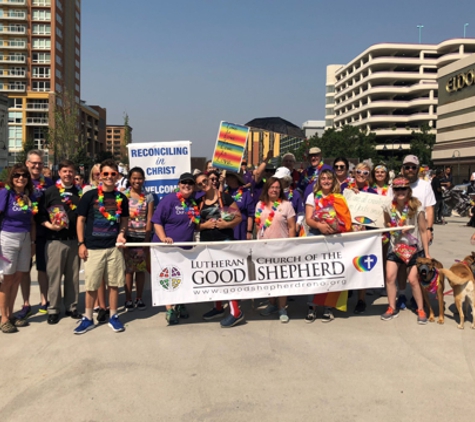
column 13, row 29
column 37, row 121
column 37, row 105
column 13, row 2
column 14, row 15
column 13, row 44
column 12, row 87
column 12, row 73
column 12, row 59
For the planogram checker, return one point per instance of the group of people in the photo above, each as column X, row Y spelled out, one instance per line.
column 67, row 221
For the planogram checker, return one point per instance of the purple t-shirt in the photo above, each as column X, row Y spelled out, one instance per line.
column 296, row 201
column 247, row 207
column 247, row 176
column 15, row 220
column 172, row 217
column 309, row 175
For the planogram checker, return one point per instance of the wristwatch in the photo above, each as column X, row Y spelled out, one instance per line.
column 80, row 243
column 431, row 229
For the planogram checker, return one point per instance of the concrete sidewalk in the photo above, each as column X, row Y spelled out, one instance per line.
column 356, row 368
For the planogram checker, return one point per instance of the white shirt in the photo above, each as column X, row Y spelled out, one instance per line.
column 422, row 190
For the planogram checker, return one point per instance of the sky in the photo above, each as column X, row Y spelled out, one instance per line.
column 179, row 67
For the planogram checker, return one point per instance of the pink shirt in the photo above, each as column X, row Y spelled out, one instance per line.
column 280, row 227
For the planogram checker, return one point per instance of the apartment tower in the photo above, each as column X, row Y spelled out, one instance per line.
column 40, row 65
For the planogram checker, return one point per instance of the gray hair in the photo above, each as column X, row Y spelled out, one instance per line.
column 37, row 152
column 289, row 154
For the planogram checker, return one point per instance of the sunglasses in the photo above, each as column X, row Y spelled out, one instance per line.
column 340, row 167
column 408, row 167
column 399, row 189
column 363, row 172
column 188, row 183
column 213, row 179
column 18, row 175
column 111, row 174
column 203, row 183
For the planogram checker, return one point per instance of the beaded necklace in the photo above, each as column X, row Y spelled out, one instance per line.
column 315, row 173
column 270, row 218
column 393, row 215
column 353, row 185
column 24, row 206
column 291, row 194
column 118, row 205
column 66, row 199
column 194, row 212
column 41, row 185
column 324, row 202
column 384, row 189
column 136, row 212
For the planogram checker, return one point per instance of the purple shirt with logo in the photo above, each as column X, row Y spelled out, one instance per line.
column 15, row 220
column 174, row 220
column 247, row 207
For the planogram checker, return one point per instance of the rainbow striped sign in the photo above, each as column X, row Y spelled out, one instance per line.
column 230, row 146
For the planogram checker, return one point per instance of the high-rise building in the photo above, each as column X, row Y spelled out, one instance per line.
column 40, row 54
column 391, row 89
column 116, row 140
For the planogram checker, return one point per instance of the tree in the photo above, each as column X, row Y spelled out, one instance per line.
column 104, row 155
column 28, row 145
column 422, row 143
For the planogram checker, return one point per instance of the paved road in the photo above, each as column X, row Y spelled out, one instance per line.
column 356, row 368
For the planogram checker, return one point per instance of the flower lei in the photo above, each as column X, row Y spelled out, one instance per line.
column 324, row 202
column 237, row 195
column 291, row 194
column 33, row 208
column 118, row 204
column 384, row 191
column 135, row 213
column 194, row 213
column 41, row 185
column 315, row 174
column 393, row 215
column 270, row 218
column 353, row 185
column 66, row 199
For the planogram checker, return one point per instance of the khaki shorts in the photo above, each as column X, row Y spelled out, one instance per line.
column 104, row 263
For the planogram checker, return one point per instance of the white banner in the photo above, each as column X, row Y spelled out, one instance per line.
column 162, row 162
column 256, row 269
column 366, row 208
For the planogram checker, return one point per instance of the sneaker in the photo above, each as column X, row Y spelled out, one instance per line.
column 84, row 326
column 328, row 315
column 102, row 316
column 74, row 314
column 311, row 315
column 96, row 309
column 115, row 324
column 172, row 317
column 269, row 309
column 283, row 315
column 401, row 302
column 214, row 313
column 390, row 314
column 129, row 306
column 360, row 307
column 8, row 328
column 17, row 322
column 140, row 305
column 421, row 317
column 182, row 312
column 44, row 308
column 231, row 320
column 24, row 313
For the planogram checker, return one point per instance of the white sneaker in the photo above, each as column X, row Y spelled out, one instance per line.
column 283, row 316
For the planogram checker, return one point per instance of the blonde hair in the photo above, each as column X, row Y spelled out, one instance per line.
column 96, row 167
column 363, row 165
column 335, row 185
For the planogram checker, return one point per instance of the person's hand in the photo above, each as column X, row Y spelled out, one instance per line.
column 121, row 239
column 325, row 228
column 56, row 227
column 167, row 240
column 355, row 190
column 270, row 154
column 83, row 252
column 221, row 224
column 428, row 256
column 249, row 236
column 208, row 225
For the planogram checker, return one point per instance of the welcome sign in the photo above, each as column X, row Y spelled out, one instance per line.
column 256, row 269
column 162, row 162
column 230, row 146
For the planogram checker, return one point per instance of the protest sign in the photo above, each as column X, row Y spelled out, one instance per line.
column 230, row 146
column 162, row 162
column 253, row 269
column 366, row 208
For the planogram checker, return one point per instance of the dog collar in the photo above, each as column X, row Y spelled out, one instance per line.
column 431, row 285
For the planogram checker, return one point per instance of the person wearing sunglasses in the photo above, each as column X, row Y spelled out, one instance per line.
column 17, row 242
column 422, row 190
column 309, row 176
column 340, row 167
column 79, row 180
column 94, row 178
column 103, row 215
column 175, row 219
column 405, row 246
column 35, row 165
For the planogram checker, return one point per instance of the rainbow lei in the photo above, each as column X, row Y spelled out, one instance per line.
column 118, row 203
column 41, row 185
column 315, row 174
column 135, row 213
column 22, row 204
column 324, row 202
column 384, row 189
column 353, row 185
column 291, row 194
column 194, row 213
column 237, row 195
column 66, row 199
column 270, row 218
column 393, row 217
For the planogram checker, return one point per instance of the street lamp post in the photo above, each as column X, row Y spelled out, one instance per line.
column 458, row 162
column 420, row 32
column 465, row 30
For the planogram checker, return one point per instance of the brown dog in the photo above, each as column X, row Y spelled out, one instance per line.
column 462, row 281
column 431, row 278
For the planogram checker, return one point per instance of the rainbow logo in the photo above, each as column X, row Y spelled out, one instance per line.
column 365, row 263
column 230, row 146
column 364, row 220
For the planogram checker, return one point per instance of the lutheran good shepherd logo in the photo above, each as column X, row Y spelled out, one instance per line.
column 170, row 278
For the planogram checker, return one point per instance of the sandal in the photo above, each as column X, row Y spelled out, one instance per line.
column 8, row 328
column 18, row 322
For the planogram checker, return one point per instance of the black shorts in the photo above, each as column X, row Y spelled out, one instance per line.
column 41, row 254
column 393, row 257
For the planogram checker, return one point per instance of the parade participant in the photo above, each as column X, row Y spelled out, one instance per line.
column 242, row 196
column 380, row 178
column 341, row 167
column 326, row 212
column 275, row 219
column 94, row 178
column 289, row 161
column 58, row 214
column 175, row 220
column 34, row 162
column 360, row 184
column 245, row 174
column 447, row 180
column 102, row 222
column 439, row 202
column 219, row 216
column 79, row 180
column 261, row 174
column 139, row 230
column 405, row 246
column 292, row 195
column 209, row 166
column 310, row 174
column 17, row 241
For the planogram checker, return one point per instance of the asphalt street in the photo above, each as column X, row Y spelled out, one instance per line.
column 355, row 368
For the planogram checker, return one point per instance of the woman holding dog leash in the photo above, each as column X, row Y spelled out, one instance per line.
column 405, row 246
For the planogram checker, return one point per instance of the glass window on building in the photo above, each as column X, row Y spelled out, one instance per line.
column 15, row 117
column 15, row 137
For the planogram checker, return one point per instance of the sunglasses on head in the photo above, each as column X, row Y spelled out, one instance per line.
column 343, row 167
column 399, row 189
column 18, row 175
column 363, row 172
column 111, row 174
column 188, row 182
column 410, row 167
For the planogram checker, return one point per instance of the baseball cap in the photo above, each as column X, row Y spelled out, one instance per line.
column 411, row 159
column 314, row 150
column 186, row 176
column 282, row 172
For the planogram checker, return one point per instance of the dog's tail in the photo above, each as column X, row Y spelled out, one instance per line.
column 454, row 278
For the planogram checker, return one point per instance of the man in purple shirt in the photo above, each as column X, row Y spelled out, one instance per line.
column 310, row 174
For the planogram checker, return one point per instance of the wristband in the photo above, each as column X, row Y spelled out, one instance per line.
column 431, row 229
column 250, row 231
column 80, row 243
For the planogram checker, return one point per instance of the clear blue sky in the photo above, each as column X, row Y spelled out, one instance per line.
column 179, row 67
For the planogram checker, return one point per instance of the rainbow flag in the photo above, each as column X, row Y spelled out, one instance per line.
column 337, row 300
column 230, row 146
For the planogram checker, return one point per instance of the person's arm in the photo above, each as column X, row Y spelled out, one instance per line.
column 429, row 213
column 421, row 221
column 222, row 224
column 149, row 226
column 291, row 225
column 323, row 227
column 160, row 232
column 80, row 225
column 124, row 222
column 260, row 170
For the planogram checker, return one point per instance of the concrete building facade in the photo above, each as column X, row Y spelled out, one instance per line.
column 116, row 140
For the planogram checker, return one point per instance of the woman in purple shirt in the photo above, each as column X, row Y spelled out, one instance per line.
column 17, row 241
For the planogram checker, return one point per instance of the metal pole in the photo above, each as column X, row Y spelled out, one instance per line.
column 420, row 32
